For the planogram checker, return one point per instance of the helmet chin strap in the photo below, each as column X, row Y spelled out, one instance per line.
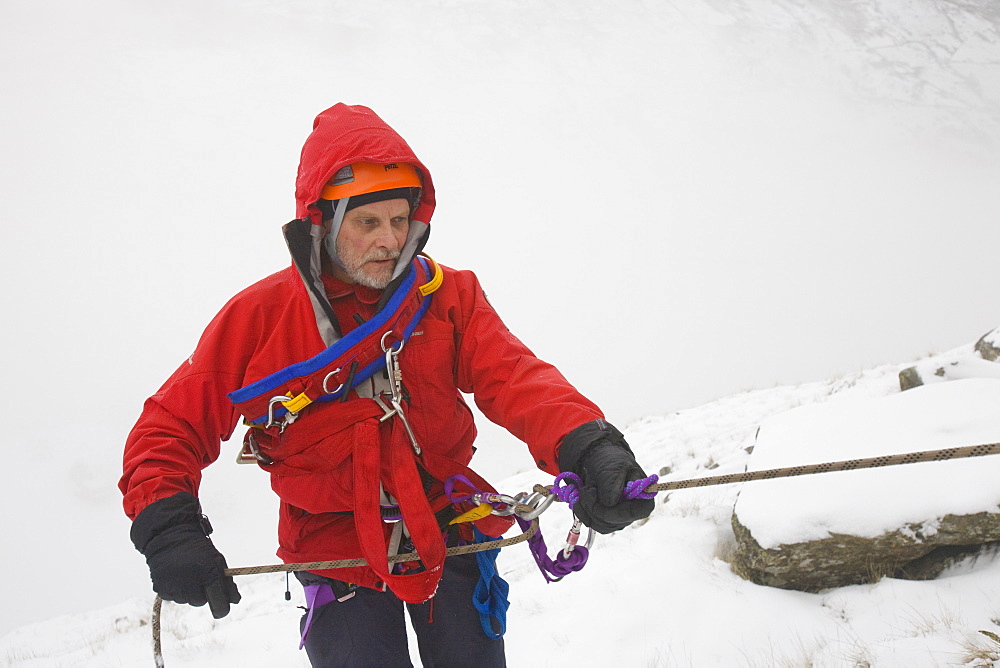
column 330, row 241
column 410, row 247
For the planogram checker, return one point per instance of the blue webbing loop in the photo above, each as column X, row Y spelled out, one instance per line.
column 276, row 380
column 490, row 594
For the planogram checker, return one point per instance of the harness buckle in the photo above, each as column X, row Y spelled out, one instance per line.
column 326, row 379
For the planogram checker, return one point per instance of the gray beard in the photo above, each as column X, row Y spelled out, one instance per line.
column 352, row 266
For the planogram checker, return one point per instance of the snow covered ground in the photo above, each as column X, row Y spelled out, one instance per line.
column 656, row 594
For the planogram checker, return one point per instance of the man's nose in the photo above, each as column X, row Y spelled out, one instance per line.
column 385, row 238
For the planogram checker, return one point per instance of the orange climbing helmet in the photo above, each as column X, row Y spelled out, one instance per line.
column 367, row 177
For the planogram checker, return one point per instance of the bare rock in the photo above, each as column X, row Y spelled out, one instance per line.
column 854, row 526
column 843, row 559
column 988, row 346
column 909, row 378
column 979, row 361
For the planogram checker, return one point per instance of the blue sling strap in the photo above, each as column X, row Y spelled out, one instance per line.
column 352, row 359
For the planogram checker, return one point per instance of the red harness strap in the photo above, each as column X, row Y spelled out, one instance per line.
column 396, row 464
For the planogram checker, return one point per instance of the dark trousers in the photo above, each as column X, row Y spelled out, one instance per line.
column 368, row 630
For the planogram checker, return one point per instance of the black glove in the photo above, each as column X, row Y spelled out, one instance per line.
column 598, row 453
column 183, row 563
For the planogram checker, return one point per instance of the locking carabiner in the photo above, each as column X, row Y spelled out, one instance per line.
column 573, row 537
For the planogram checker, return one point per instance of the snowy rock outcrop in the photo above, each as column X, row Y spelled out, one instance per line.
column 910, row 521
column 988, row 346
column 978, row 361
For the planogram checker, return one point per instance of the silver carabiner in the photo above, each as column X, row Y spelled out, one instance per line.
column 489, row 498
column 396, row 389
column 395, row 377
column 270, row 410
column 539, row 502
column 406, row 424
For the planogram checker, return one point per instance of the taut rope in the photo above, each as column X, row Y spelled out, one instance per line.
column 829, row 467
column 542, row 491
column 330, row 565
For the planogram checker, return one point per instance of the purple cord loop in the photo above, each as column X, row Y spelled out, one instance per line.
column 449, row 488
column 566, row 488
column 498, row 501
column 563, row 565
column 634, row 489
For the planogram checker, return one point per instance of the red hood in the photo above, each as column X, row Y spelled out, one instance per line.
column 345, row 134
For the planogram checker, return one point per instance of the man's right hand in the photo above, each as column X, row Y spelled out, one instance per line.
column 183, row 563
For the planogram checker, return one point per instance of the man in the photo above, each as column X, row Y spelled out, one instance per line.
column 349, row 367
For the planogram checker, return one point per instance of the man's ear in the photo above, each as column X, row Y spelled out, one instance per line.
column 325, row 207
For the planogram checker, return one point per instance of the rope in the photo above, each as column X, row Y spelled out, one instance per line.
column 636, row 489
column 565, row 489
column 829, row 467
column 338, row 563
column 399, row 558
column 157, row 650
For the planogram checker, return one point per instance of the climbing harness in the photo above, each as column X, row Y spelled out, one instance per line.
column 277, row 400
column 526, row 507
column 369, row 352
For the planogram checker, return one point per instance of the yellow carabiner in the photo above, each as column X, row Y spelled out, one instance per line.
column 477, row 513
column 436, row 280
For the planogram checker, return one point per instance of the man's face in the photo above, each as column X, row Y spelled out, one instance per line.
column 370, row 240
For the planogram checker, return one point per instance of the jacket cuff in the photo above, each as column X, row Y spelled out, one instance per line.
column 180, row 508
column 577, row 443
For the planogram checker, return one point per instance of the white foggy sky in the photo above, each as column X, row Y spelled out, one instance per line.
column 670, row 205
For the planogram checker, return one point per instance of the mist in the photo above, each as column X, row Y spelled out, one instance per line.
column 670, row 203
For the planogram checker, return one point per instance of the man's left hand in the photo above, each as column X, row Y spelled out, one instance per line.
column 599, row 454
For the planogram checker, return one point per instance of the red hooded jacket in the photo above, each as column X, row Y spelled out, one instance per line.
column 460, row 346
